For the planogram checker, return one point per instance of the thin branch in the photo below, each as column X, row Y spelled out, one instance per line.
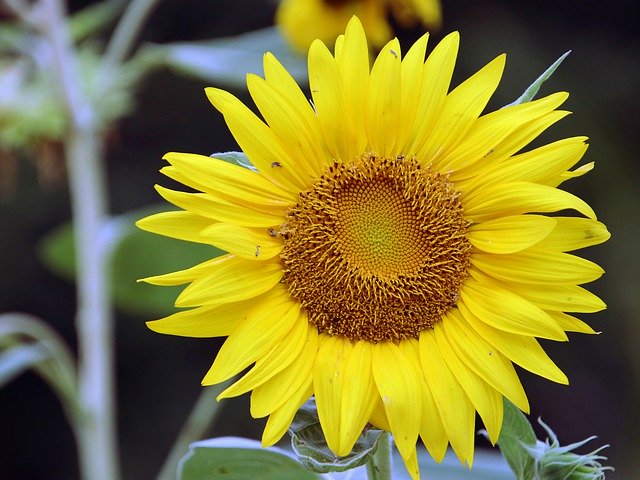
column 200, row 420
column 20, row 9
column 127, row 31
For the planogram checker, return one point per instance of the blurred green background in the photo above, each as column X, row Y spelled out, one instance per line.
column 159, row 376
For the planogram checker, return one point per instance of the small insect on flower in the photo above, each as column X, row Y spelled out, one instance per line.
column 276, row 164
column 257, row 250
column 272, row 232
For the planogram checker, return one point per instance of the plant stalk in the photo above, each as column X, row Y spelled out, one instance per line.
column 379, row 465
column 83, row 152
column 127, row 31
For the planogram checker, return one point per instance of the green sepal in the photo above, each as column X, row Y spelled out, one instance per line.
column 532, row 90
column 515, row 435
column 230, row 458
column 309, row 443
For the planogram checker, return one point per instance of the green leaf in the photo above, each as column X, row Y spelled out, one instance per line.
column 19, row 358
column 137, row 254
column 517, row 432
column 32, row 344
column 228, row 60
column 309, row 444
column 230, row 458
column 532, row 90
column 237, row 158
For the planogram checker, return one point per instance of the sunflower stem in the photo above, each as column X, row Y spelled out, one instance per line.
column 379, row 465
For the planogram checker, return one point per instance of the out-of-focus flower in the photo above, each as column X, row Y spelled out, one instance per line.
column 390, row 252
column 303, row 21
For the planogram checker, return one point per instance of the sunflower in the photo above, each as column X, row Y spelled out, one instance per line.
column 390, row 253
column 303, row 21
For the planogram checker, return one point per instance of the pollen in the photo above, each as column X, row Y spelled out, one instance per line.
column 377, row 249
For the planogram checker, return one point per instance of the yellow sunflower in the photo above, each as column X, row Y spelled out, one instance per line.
column 303, row 21
column 390, row 252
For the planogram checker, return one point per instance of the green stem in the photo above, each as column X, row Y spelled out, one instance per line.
column 200, row 420
column 127, row 31
column 379, row 465
column 83, row 152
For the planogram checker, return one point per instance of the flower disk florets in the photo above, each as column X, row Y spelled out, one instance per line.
column 377, row 249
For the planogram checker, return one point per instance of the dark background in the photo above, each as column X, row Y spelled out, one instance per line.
column 158, row 376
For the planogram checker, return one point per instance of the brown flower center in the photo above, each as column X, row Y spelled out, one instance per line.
column 377, row 249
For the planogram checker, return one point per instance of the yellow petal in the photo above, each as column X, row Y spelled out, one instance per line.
column 247, row 243
column 379, row 417
column 187, row 275
column 432, row 431
column 538, row 267
column 325, row 82
column 520, row 197
column 181, row 225
column 436, row 77
column 461, row 109
column 410, row 91
column 221, row 210
column 398, row 382
column 382, row 110
column 569, row 174
column 565, row 298
column 266, row 324
column 500, row 155
column 486, row 400
column 328, row 385
column 280, row 420
column 256, row 140
column 280, row 357
column 353, row 63
column 229, row 179
column 279, row 78
column 292, row 128
column 507, row 311
column 571, row 324
column 456, row 410
column 230, row 281
column 490, row 129
column 510, row 234
column 203, row 322
column 272, row 394
column 522, row 350
column 534, row 166
column 484, row 359
column 574, row 233
column 359, row 395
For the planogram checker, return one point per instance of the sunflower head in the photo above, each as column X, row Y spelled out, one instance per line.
column 393, row 252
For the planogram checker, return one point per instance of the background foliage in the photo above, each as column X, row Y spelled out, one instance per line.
column 159, row 376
